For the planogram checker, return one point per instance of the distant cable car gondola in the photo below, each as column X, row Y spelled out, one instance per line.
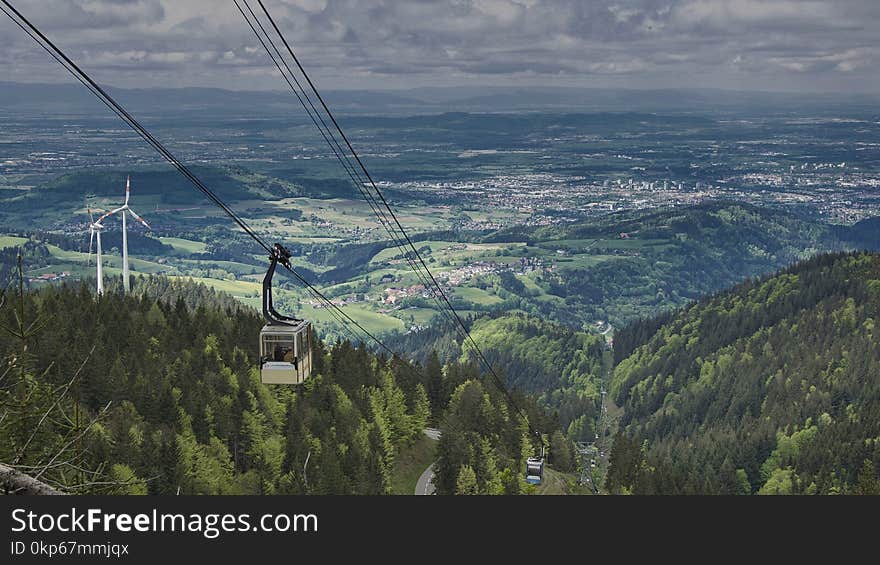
column 285, row 343
column 535, row 469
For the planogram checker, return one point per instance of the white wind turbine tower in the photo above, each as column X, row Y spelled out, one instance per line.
column 95, row 228
column 123, row 209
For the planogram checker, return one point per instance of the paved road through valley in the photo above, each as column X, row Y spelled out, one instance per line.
column 425, row 484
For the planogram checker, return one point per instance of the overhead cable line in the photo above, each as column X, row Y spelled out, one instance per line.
column 81, row 76
column 341, row 155
column 326, row 132
column 416, row 255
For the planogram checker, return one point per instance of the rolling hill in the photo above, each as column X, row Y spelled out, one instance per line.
column 634, row 264
column 770, row 387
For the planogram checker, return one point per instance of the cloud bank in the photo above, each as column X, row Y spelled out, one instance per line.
column 813, row 45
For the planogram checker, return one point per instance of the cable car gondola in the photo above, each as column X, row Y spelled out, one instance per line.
column 535, row 469
column 285, row 343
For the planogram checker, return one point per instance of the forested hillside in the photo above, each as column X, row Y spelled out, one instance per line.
column 564, row 368
column 560, row 368
column 663, row 259
column 184, row 406
column 772, row 387
column 159, row 392
column 485, row 442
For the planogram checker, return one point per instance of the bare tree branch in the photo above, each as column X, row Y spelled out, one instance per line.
column 75, row 438
column 59, row 398
column 19, row 483
column 5, row 373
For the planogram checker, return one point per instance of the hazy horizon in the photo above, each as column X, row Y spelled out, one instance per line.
column 470, row 87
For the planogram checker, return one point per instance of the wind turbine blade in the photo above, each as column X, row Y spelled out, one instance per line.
column 138, row 218
column 91, row 218
column 127, row 188
column 91, row 240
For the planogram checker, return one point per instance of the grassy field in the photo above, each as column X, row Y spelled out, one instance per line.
column 110, row 260
column 11, row 241
column 411, row 463
column 476, row 295
column 78, row 264
column 530, row 284
column 420, row 316
column 235, row 288
column 186, row 245
column 373, row 322
column 391, row 252
column 451, row 252
column 339, row 211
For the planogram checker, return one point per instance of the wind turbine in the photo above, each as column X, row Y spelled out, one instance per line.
column 95, row 228
column 123, row 209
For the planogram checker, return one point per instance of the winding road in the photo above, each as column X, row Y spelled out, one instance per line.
column 425, row 484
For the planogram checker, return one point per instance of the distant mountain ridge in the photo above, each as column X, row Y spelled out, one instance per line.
column 683, row 254
column 69, row 97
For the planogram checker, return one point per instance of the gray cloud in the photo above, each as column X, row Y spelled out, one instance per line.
column 761, row 44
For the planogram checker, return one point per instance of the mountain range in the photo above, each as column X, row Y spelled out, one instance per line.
column 72, row 98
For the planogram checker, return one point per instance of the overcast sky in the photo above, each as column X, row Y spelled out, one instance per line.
column 804, row 45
